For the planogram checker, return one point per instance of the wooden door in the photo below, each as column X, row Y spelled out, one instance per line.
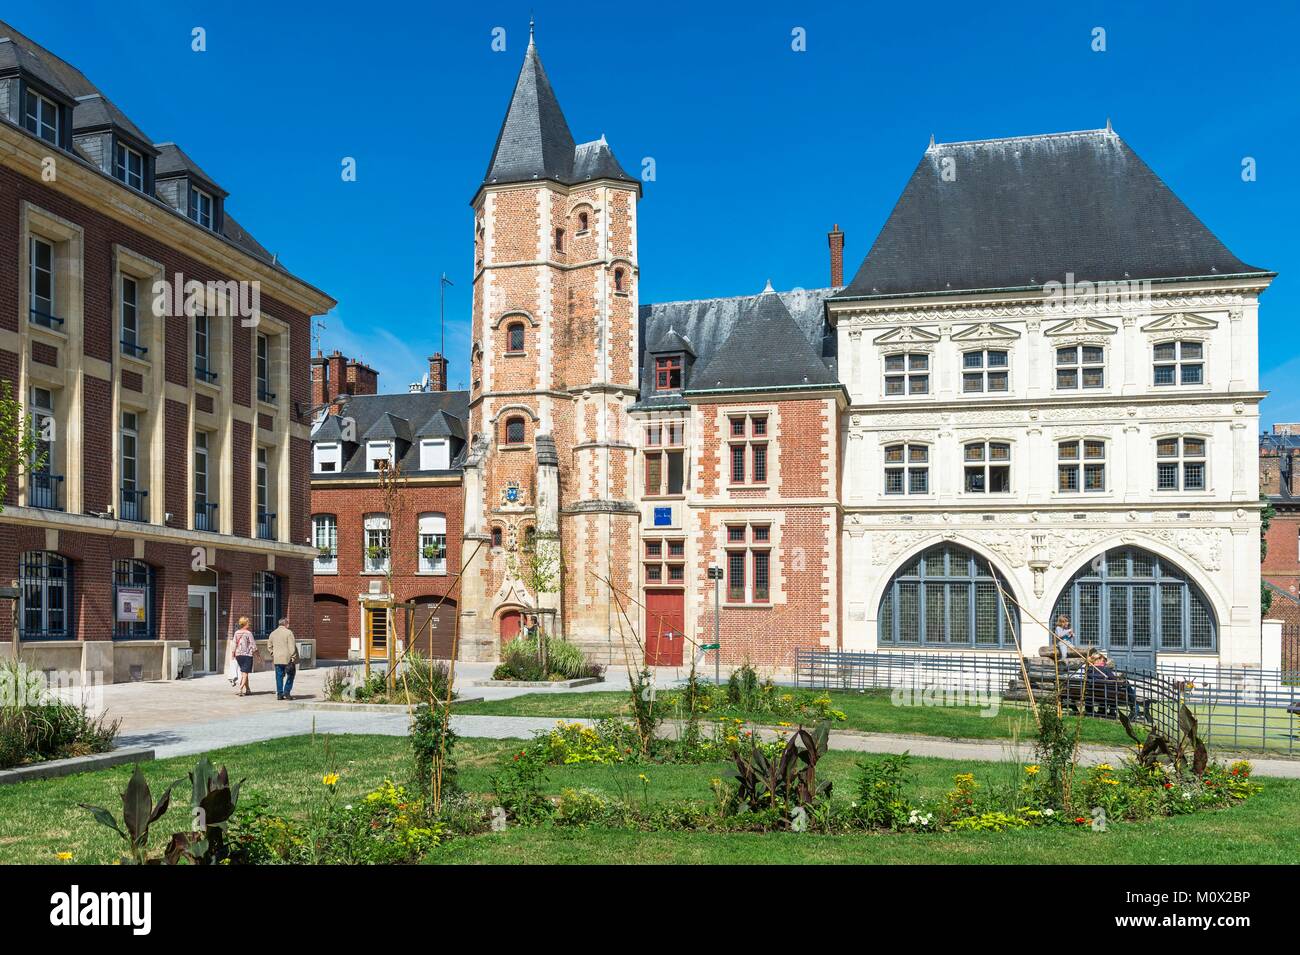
column 331, row 628
column 665, row 623
column 435, row 628
column 378, row 632
column 511, row 621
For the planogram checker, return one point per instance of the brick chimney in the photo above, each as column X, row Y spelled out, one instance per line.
column 437, row 372
column 319, row 381
column 336, row 376
column 836, row 238
column 362, row 379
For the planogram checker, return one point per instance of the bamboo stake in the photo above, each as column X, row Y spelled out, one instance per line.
column 1020, row 656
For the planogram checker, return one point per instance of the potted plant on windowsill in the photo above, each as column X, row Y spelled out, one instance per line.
column 431, row 552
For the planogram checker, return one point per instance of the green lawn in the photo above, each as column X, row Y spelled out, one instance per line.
column 39, row 819
column 868, row 711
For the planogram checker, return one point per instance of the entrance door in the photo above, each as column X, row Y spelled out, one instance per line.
column 377, row 630
column 511, row 622
column 203, row 628
column 436, row 628
column 331, row 627
column 665, row 623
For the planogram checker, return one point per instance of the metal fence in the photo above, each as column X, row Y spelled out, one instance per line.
column 1237, row 708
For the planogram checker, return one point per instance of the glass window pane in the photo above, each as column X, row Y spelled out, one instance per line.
column 997, row 381
column 919, row 384
column 1165, row 351
column 1066, row 356
column 1068, row 450
column 970, row 383
column 997, row 359
column 973, row 359
column 894, row 362
column 918, row 453
column 1194, row 447
column 894, row 453
column 918, row 362
column 1192, row 374
column 1192, row 350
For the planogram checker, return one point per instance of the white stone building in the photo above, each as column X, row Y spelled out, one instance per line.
column 1053, row 375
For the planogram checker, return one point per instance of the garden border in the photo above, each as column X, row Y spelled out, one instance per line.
column 55, row 768
column 368, row 707
column 543, row 684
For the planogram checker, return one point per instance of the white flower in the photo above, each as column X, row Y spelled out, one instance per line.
column 1049, row 812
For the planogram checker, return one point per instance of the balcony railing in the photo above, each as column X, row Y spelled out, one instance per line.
column 133, row 506
column 205, row 515
column 131, row 348
column 266, row 525
column 203, row 373
column 327, row 563
column 43, row 491
column 45, row 319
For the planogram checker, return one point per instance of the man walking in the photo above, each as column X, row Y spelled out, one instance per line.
column 284, row 654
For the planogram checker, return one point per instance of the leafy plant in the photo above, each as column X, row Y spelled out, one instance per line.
column 881, row 790
column 518, row 786
column 432, row 742
column 787, row 781
column 19, row 449
column 212, row 804
column 1157, row 744
column 139, row 812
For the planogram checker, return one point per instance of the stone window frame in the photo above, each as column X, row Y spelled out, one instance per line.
column 499, row 424
column 774, row 522
column 987, row 463
column 1079, row 366
column 1081, row 464
column 664, row 437
column 985, row 369
column 663, row 561
column 907, row 352
column 1179, row 362
column 329, row 523
column 146, row 273
column 907, row 466
column 1181, row 460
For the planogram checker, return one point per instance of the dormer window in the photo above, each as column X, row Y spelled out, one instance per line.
column 201, row 207
column 668, row 373
column 327, row 458
column 515, row 337
column 559, row 240
column 41, row 117
column 128, row 166
column 379, row 454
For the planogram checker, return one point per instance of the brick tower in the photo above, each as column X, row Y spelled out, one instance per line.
column 553, row 361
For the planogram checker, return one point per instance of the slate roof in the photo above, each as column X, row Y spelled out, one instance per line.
column 92, row 110
column 770, row 340
column 1025, row 211
column 535, row 142
column 403, row 418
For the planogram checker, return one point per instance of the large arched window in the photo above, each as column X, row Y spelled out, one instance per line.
column 133, row 601
column 1132, row 603
column 45, row 580
column 947, row 597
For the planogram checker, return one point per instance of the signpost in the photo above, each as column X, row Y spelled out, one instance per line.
column 715, row 575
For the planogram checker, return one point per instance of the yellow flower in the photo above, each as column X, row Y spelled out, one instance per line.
column 330, row 779
column 784, row 724
column 644, row 778
column 1111, row 782
column 1031, row 770
column 63, row 856
column 1105, row 767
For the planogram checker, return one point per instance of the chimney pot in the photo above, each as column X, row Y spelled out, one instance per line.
column 836, row 239
column 437, row 372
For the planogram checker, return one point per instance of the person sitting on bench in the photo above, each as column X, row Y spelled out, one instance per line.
column 1064, row 636
column 1106, row 684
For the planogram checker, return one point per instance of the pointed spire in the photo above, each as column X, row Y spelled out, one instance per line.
column 534, row 142
column 768, row 290
column 532, row 43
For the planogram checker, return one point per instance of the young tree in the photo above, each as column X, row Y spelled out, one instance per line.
column 18, row 444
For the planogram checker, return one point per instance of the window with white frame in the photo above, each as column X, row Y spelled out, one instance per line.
column 1080, row 465
column 264, row 392
column 379, row 455
column 205, row 518
column 325, row 535
column 433, row 543
column 985, row 371
column 128, row 166
column 987, row 467
column 747, row 448
column 907, row 469
column 203, row 370
column 665, row 471
column 130, row 318
column 749, row 563
column 907, row 373
column 1178, row 363
column 327, row 457
column 40, row 255
column 201, row 207
column 435, row 454
column 1180, row 464
column 378, row 543
column 42, row 480
column 1080, row 366
column 41, row 116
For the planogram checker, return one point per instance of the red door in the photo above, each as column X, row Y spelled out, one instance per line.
column 510, row 624
column 665, row 621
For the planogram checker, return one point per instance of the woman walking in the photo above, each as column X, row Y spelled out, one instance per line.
column 245, row 650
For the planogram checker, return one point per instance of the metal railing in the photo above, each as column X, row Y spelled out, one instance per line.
column 132, row 349
column 43, row 490
column 326, row 563
column 1235, row 707
column 203, row 373
column 133, row 506
column 266, row 525
column 44, row 319
column 205, row 515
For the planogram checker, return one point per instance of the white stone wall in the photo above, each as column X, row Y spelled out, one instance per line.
column 1034, row 535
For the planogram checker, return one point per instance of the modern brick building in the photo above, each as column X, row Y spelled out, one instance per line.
column 162, row 354
column 1043, row 377
column 387, row 506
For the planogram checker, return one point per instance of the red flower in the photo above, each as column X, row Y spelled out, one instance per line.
column 1169, row 785
column 1080, row 820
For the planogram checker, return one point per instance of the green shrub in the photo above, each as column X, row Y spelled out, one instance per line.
column 431, row 741
column 522, row 660
column 881, row 785
column 36, row 725
column 518, row 785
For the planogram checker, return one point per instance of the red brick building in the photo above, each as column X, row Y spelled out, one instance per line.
column 1279, row 458
column 387, row 508
column 161, row 355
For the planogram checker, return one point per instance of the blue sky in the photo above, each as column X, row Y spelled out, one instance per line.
column 758, row 148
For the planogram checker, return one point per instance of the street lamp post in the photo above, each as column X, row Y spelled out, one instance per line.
column 715, row 575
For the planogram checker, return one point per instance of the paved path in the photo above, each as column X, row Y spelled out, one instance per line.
column 193, row 716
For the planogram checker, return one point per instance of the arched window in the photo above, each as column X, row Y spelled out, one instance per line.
column 947, row 597
column 515, row 336
column 618, row 280
column 515, row 430
column 45, row 580
column 1133, row 603
column 433, row 543
column 582, row 222
column 133, row 597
